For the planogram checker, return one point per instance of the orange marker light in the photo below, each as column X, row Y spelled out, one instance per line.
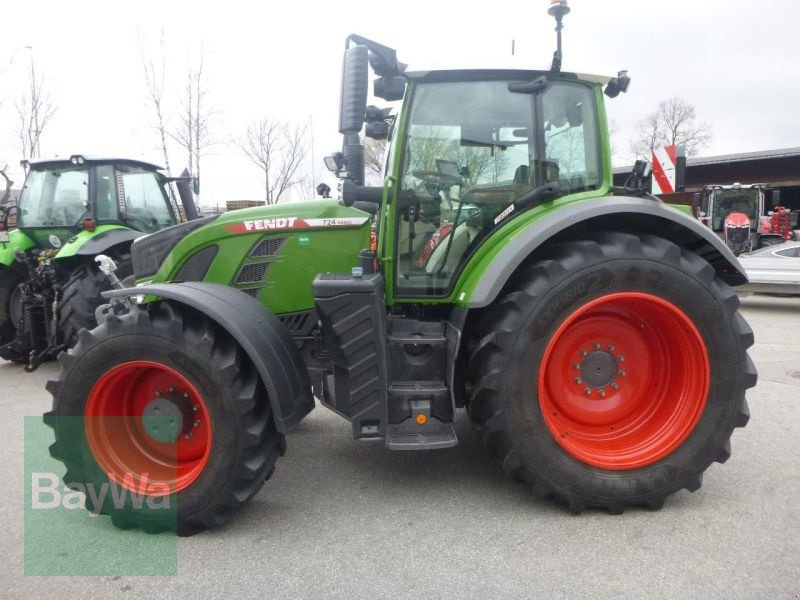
column 421, row 419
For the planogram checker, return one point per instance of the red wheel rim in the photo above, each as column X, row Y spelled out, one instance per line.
column 118, row 434
column 623, row 381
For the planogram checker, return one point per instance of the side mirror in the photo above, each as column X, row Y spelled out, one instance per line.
column 355, row 85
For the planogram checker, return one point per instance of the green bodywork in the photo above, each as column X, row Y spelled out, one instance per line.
column 41, row 239
column 305, row 252
column 76, row 242
column 16, row 239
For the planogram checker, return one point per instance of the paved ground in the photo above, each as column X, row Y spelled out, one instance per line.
column 344, row 520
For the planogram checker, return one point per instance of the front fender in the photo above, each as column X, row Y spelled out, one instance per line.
column 612, row 213
column 259, row 333
column 16, row 239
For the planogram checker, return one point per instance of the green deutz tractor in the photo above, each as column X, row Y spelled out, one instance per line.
column 591, row 333
column 70, row 211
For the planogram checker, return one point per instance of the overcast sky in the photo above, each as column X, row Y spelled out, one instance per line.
column 737, row 61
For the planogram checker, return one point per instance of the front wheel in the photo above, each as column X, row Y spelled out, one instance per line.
column 612, row 373
column 82, row 294
column 10, row 313
column 162, row 410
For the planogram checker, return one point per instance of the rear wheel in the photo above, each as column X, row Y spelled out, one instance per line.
column 612, row 373
column 165, row 406
column 82, row 295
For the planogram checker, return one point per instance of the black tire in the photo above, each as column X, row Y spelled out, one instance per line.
column 81, row 295
column 9, row 282
column 509, row 346
column 244, row 444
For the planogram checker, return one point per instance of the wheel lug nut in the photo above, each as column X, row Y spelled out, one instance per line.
column 197, row 423
column 576, row 366
column 158, row 392
column 172, row 389
column 614, row 386
column 621, row 373
column 185, row 394
column 584, row 353
column 597, row 346
column 588, row 391
column 578, row 380
column 611, row 347
column 602, row 393
column 620, row 358
column 188, row 435
column 196, row 407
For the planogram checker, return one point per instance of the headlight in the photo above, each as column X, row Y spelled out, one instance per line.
column 149, row 251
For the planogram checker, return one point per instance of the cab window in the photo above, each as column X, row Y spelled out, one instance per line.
column 146, row 204
column 54, row 197
column 470, row 152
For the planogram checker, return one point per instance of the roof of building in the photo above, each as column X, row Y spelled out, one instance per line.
column 699, row 161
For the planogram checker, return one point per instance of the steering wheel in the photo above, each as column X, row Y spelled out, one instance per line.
column 142, row 220
column 436, row 182
column 436, row 178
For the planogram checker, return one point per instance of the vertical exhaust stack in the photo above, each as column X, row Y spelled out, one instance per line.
column 184, row 185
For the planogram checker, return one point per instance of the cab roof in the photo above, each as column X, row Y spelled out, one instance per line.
column 58, row 161
column 501, row 73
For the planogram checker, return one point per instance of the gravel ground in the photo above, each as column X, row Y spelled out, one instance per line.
column 341, row 519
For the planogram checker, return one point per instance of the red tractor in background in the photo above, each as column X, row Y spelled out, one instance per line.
column 738, row 215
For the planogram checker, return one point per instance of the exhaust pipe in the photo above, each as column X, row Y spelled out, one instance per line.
column 184, row 185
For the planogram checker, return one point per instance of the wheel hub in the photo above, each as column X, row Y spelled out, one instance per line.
column 168, row 416
column 598, row 369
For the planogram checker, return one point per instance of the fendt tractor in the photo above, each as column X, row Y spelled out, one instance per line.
column 591, row 333
column 738, row 214
column 71, row 210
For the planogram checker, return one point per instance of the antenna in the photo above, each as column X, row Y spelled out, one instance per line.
column 558, row 8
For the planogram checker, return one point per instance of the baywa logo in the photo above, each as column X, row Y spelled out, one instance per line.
column 48, row 493
column 82, row 515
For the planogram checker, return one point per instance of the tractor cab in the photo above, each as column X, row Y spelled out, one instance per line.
column 63, row 196
column 471, row 150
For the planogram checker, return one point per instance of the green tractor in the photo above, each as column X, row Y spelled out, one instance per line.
column 71, row 210
column 591, row 333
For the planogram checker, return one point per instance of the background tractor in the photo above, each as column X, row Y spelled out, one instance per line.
column 70, row 211
column 570, row 319
column 738, row 214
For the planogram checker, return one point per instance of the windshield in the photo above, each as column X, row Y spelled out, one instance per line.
column 728, row 201
column 54, row 198
column 470, row 153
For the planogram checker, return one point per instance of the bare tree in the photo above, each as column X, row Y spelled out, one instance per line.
column 374, row 152
column 35, row 108
column 278, row 149
column 9, row 183
column 193, row 130
column 673, row 122
column 154, row 74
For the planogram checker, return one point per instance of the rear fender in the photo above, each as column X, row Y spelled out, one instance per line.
column 259, row 333
column 614, row 213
